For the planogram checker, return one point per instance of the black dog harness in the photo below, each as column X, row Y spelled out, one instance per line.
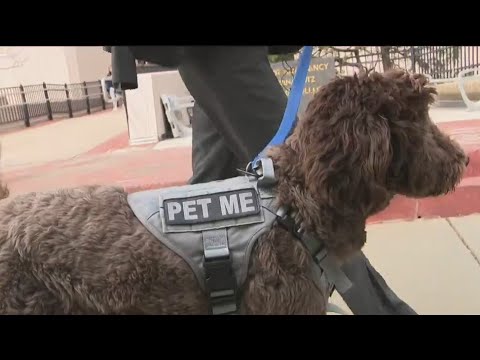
column 214, row 226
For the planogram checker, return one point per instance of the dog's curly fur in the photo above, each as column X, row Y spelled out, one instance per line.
column 362, row 140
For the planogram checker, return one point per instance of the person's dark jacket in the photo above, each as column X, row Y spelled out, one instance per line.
column 124, row 71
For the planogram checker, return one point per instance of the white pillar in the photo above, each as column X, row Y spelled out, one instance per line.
column 146, row 118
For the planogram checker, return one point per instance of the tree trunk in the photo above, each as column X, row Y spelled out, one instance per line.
column 386, row 61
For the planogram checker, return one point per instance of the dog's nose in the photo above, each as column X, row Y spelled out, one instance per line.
column 468, row 160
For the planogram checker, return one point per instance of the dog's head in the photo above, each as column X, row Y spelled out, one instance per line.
column 365, row 138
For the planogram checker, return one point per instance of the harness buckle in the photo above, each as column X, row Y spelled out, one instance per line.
column 263, row 170
column 221, row 285
column 220, row 281
column 288, row 223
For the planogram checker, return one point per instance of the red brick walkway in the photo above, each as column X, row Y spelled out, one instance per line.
column 143, row 167
column 133, row 169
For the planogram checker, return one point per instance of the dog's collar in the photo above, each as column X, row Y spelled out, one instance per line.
column 327, row 274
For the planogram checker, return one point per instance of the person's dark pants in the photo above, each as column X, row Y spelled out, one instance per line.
column 239, row 104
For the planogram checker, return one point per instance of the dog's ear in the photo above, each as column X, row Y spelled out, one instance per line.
column 347, row 154
column 360, row 144
column 415, row 89
column 371, row 148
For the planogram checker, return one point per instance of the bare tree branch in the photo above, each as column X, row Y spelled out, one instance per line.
column 13, row 66
column 385, row 54
column 349, row 49
column 356, row 51
column 11, row 58
column 343, row 62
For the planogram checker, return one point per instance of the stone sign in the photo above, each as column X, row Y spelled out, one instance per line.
column 320, row 72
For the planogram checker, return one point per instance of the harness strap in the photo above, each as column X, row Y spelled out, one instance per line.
column 334, row 274
column 220, row 281
column 320, row 279
column 333, row 271
column 312, row 244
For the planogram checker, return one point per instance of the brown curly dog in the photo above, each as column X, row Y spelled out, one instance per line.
column 362, row 140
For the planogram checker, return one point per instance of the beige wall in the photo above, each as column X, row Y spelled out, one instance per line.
column 36, row 65
column 70, row 54
column 52, row 64
column 93, row 63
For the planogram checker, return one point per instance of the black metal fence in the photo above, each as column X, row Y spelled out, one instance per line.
column 50, row 101
column 440, row 62
column 444, row 62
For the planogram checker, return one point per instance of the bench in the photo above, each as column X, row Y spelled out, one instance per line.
column 471, row 105
column 460, row 81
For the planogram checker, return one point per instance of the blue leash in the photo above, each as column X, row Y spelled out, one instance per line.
column 288, row 121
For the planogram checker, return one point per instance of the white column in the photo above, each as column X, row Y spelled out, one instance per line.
column 146, row 118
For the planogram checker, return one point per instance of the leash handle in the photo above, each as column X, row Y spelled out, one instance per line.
column 293, row 103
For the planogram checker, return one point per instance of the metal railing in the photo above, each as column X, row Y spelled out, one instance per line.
column 439, row 62
column 48, row 101
column 445, row 62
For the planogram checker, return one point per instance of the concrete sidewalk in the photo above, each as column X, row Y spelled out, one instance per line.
column 60, row 140
column 443, row 114
column 433, row 265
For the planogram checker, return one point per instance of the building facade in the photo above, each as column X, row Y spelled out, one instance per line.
column 28, row 65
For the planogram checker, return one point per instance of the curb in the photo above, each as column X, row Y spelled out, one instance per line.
column 117, row 142
column 465, row 200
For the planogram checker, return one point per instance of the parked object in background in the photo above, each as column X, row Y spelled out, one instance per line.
column 178, row 112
